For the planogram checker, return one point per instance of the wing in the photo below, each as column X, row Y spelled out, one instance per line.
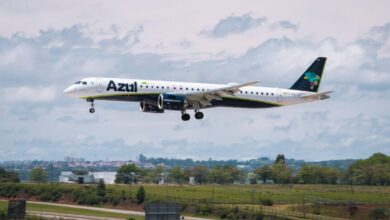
column 203, row 99
column 319, row 95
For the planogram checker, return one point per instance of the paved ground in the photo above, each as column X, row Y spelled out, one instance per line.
column 92, row 208
column 104, row 210
column 51, row 215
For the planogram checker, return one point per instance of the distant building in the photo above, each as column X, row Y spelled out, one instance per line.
column 161, row 179
column 243, row 167
column 70, row 177
column 90, row 177
column 192, row 180
column 74, row 159
column 107, row 177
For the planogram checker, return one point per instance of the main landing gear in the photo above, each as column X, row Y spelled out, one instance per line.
column 186, row 117
column 92, row 109
column 198, row 114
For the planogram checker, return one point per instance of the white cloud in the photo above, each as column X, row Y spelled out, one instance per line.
column 234, row 24
column 17, row 56
column 285, row 24
column 384, row 52
column 28, row 94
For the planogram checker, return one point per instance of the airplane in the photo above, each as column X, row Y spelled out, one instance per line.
column 158, row 96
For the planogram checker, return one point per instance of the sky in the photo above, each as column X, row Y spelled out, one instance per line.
column 47, row 45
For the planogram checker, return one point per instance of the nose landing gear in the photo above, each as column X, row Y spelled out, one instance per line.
column 92, row 109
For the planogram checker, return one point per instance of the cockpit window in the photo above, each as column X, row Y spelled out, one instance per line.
column 84, row 83
column 78, row 82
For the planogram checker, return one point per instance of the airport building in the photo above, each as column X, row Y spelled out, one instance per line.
column 89, row 177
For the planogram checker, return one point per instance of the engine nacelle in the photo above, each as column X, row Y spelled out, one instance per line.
column 146, row 107
column 170, row 101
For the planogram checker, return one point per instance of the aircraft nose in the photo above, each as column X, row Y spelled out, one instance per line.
column 68, row 91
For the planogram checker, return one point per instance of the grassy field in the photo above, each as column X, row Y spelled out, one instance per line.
column 249, row 194
column 331, row 200
column 68, row 210
column 3, row 206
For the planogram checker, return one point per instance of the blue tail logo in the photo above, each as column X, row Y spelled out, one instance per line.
column 312, row 78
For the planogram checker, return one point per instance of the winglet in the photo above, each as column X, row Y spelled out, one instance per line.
column 235, row 87
column 249, row 83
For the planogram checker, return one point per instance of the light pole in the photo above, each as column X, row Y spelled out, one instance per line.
column 51, row 174
column 212, row 194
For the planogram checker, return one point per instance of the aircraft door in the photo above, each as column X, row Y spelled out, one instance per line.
column 99, row 87
column 279, row 95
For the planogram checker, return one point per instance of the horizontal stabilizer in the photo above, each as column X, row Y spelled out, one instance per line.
column 320, row 95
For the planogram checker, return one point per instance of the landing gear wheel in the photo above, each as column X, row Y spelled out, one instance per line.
column 199, row 115
column 185, row 117
column 92, row 109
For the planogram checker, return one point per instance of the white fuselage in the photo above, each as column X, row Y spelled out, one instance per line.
column 158, row 96
column 96, row 88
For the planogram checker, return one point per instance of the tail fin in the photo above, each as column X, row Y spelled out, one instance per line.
column 311, row 78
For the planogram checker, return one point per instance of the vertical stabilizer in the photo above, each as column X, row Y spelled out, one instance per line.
column 311, row 78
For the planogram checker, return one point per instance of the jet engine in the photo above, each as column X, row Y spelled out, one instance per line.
column 170, row 101
column 146, row 107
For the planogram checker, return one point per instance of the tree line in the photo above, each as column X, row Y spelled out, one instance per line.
column 372, row 171
column 8, row 176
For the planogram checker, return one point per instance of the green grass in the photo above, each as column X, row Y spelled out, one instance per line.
column 69, row 210
column 222, row 195
column 3, row 206
column 246, row 194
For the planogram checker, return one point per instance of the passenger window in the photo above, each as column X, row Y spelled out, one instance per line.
column 197, row 89
column 257, row 93
column 186, row 88
column 202, row 89
column 251, row 92
column 262, row 93
column 267, row 93
column 162, row 87
column 272, row 93
column 146, row 86
column 157, row 87
column 140, row 86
